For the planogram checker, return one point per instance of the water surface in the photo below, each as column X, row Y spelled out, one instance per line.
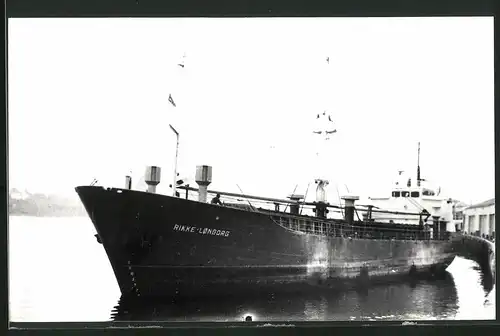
column 58, row 272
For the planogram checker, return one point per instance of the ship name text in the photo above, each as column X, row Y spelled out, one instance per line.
column 202, row 231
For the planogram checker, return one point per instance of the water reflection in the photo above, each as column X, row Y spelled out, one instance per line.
column 423, row 300
column 475, row 288
column 486, row 279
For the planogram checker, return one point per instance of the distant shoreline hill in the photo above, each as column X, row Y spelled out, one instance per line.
column 24, row 203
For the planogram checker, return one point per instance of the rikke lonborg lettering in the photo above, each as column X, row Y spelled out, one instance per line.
column 202, row 231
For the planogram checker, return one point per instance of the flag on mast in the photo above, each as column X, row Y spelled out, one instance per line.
column 181, row 63
column 171, row 100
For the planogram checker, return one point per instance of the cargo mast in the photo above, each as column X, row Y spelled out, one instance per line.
column 323, row 129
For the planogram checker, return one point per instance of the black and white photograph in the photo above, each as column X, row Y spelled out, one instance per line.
column 251, row 169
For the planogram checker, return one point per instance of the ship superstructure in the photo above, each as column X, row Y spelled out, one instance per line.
column 409, row 195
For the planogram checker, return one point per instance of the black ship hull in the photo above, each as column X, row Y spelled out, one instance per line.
column 166, row 246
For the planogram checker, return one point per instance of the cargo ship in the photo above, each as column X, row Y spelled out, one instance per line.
column 161, row 245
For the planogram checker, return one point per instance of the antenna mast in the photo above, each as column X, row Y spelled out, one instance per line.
column 171, row 101
column 418, row 165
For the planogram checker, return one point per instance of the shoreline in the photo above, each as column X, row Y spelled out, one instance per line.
column 46, row 216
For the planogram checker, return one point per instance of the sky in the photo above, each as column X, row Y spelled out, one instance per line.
column 88, row 98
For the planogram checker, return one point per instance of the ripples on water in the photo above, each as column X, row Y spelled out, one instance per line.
column 401, row 302
column 58, row 272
